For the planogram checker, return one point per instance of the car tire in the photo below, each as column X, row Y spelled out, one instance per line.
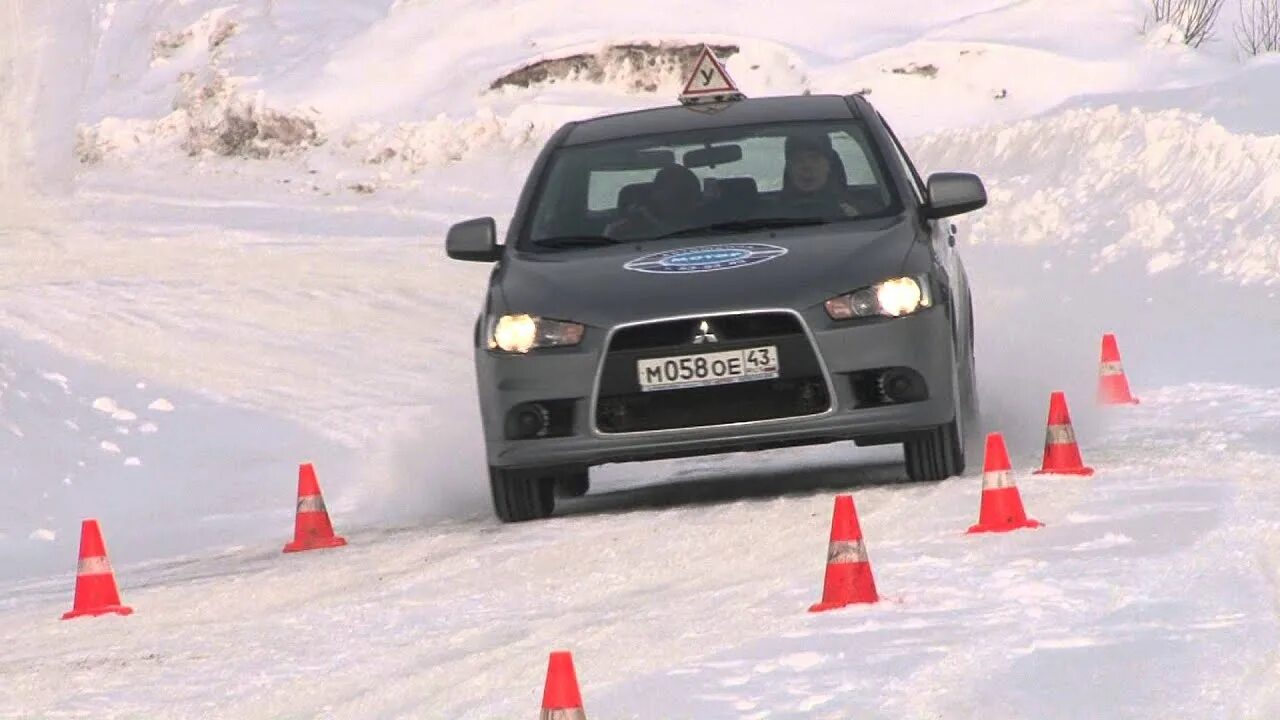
column 934, row 454
column 970, row 401
column 521, row 495
column 939, row 453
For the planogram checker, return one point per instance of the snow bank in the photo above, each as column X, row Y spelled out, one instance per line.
column 368, row 81
column 1168, row 187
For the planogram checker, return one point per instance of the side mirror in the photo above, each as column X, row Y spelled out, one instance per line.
column 474, row 240
column 954, row 194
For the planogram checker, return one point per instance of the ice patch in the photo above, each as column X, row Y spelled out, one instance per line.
column 801, row 661
column 147, row 428
column 1079, row 517
column 123, row 416
column 1109, row 540
column 812, row 702
column 1072, row 643
column 108, row 446
column 161, row 405
column 132, row 462
column 106, row 405
column 57, row 379
column 42, row 534
column 71, row 424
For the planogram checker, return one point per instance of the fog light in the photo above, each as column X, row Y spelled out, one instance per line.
column 901, row 385
column 528, row 421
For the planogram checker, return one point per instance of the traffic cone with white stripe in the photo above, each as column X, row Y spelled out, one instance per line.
column 1113, row 386
column 1061, row 452
column 96, row 592
column 561, row 698
column 848, row 579
column 311, row 528
column 1001, row 509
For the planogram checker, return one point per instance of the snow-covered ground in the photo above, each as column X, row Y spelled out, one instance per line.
column 178, row 331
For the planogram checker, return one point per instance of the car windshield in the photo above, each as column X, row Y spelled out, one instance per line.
column 708, row 182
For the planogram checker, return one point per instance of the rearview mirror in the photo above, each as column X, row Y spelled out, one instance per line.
column 474, row 240
column 712, row 156
column 954, row 194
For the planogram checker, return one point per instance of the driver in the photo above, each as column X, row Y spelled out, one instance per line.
column 671, row 204
column 813, row 181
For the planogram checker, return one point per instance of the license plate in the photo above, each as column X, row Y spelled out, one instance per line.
column 717, row 368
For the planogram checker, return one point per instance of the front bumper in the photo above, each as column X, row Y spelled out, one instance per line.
column 922, row 342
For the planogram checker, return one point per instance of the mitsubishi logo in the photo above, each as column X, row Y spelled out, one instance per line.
column 704, row 333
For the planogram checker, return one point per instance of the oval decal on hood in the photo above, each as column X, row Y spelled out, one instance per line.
column 706, row 258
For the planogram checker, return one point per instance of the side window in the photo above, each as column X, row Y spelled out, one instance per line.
column 857, row 167
column 905, row 163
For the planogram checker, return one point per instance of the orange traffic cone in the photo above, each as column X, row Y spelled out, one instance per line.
column 1001, row 508
column 1113, row 386
column 311, row 527
column 96, row 592
column 561, row 699
column 848, row 579
column 1061, row 453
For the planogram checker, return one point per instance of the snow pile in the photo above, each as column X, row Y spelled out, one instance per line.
column 368, row 82
column 1170, row 188
column 634, row 67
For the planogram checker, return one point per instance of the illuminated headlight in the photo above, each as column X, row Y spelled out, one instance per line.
column 891, row 298
column 522, row 333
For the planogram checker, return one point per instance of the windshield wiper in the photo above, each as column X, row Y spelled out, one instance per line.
column 748, row 225
column 570, row 241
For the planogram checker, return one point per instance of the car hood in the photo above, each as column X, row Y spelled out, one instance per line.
column 790, row 268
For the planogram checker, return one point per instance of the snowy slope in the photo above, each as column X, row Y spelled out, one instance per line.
column 298, row 307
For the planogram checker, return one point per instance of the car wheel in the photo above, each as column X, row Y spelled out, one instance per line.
column 935, row 454
column 520, row 495
column 939, row 453
column 973, row 435
column 971, row 409
column 573, row 484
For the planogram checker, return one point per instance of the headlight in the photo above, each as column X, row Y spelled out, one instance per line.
column 891, row 298
column 522, row 333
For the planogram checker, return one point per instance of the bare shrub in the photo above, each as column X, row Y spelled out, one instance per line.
column 928, row 71
column 1194, row 18
column 644, row 65
column 1258, row 31
column 166, row 43
column 223, row 123
column 222, row 32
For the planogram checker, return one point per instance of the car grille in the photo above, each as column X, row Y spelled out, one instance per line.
column 801, row 389
column 671, row 334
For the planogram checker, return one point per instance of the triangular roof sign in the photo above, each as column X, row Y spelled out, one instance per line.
column 709, row 81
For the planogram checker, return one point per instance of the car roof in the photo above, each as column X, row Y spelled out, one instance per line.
column 678, row 118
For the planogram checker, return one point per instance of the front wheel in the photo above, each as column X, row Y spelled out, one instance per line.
column 520, row 495
column 935, row 454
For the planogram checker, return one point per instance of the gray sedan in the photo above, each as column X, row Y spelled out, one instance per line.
column 753, row 274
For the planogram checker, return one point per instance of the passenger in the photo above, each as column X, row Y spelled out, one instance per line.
column 672, row 204
column 814, row 182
